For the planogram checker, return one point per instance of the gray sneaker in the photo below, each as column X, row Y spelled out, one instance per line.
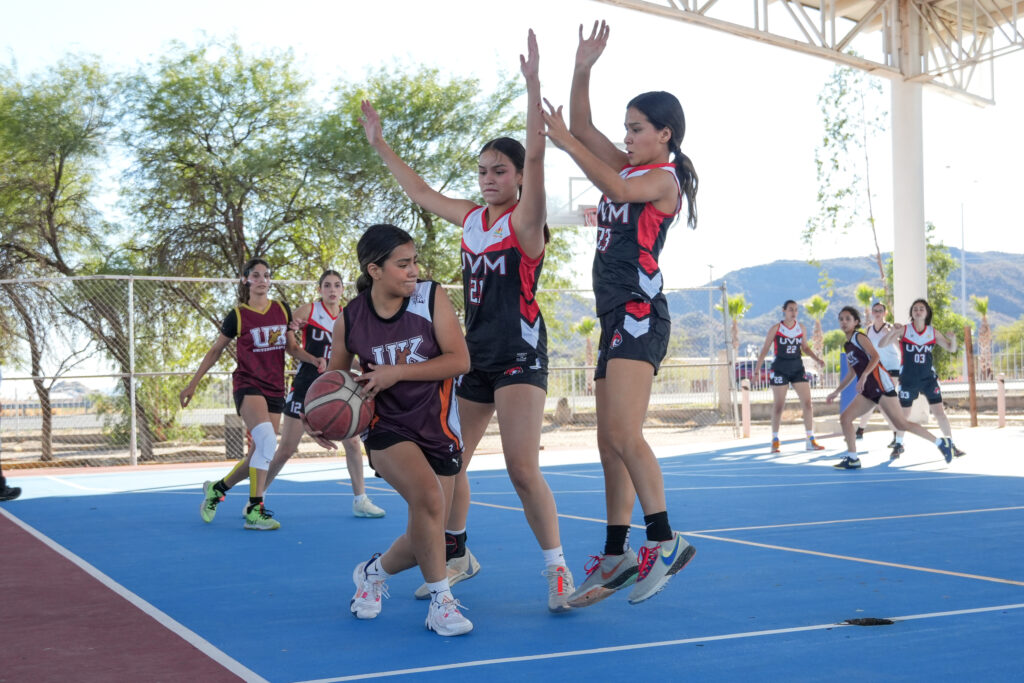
column 459, row 569
column 364, row 507
column 658, row 563
column 560, row 587
column 605, row 575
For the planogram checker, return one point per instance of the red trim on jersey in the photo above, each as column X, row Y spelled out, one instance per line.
column 528, row 307
column 638, row 309
column 506, row 243
column 445, row 392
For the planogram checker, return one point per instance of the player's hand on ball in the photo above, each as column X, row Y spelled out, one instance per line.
column 317, row 435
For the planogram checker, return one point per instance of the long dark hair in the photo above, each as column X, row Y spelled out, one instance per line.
column 663, row 110
column 375, row 246
column 853, row 312
column 927, row 307
column 243, row 289
column 516, row 153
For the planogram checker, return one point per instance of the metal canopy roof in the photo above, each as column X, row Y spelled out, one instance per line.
column 937, row 42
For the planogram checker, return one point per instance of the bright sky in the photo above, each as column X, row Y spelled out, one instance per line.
column 752, row 116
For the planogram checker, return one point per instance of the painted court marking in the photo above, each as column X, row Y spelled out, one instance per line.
column 642, row 646
column 158, row 615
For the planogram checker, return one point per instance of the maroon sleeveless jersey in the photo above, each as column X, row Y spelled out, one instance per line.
column 425, row 413
column 262, row 338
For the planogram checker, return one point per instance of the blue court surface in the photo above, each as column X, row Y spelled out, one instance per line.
column 788, row 549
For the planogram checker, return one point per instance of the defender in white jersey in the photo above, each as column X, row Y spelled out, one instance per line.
column 889, row 360
column 917, row 373
column 502, row 250
column 787, row 340
column 643, row 191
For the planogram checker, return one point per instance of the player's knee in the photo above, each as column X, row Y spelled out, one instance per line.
column 264, row 441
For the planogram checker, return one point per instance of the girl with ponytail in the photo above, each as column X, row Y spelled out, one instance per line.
column 644, row 188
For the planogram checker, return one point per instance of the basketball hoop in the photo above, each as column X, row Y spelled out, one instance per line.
column 589, row 215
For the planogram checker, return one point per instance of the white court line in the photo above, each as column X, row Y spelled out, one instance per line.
column 643, row 646
column 858, row 519
column 158, row 615
column 71, row 484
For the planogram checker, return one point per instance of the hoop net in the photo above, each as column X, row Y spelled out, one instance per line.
column 589, row 215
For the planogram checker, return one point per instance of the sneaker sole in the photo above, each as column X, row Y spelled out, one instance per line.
column 258, row 527
column 684, row 559
column 423, row 593
column 599, row 593
column 367, row 515
column 454, row 632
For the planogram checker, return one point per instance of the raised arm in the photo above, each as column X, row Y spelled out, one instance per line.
column 530, row 213
column 581, row 123
column 452, row 210
column 659, row 188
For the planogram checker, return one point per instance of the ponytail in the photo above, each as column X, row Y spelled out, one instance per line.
column 688, row 182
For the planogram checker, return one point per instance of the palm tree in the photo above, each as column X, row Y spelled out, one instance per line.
column 816, row 308
column 585, row 328
column 866, row 295
column 738, row 308
column 984, row 338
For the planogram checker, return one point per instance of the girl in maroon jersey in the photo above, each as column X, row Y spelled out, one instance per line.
column 261, row 326
column 407, row 337
column 313, row 322
column 643, row 190
column 509, row 374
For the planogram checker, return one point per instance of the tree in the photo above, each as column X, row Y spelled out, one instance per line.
column 222, row 169
column 940, row 295
column 852, row 115
column 816, row 308
column 984, row 337
column 738, row 308
column 865, row 295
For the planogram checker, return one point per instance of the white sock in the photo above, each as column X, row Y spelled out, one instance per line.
column 439, row 590
column 810, row 435
column 360, row 497
column 554, row 556
column 938, row 441
column 775, row 435
column 377, row 568
column 899, row 440
column 851, row 455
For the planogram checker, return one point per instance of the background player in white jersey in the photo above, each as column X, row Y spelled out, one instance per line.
column 314, row 323
column 917, row 375
column 502, row 254
column 643, row 190
column 889, row 357
column 788, row 340
column 407, row 339
column 874, row 386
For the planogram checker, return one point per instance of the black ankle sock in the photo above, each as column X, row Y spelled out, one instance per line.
column 254, row 501
column 658, row 528
column 220, row 487
column 615, row 539
column 454, row 545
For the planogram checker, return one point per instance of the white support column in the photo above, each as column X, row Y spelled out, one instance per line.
column 910, row 274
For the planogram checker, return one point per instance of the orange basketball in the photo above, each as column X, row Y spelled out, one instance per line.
column 334, row 406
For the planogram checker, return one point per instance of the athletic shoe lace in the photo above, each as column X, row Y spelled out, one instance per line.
column 648, row 554
column 264, row 513
column 375, row 586
column 447, row 605
column 592, row 564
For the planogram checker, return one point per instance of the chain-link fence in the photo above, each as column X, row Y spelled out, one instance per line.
column 95, row 366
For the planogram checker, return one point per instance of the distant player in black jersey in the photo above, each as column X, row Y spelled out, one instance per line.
column 787, row 340
column 889, row 355
column 314, row 323
column 407, row 338
column 503, row 244
column 643, row 191
column 917, row 372
column 874, row 386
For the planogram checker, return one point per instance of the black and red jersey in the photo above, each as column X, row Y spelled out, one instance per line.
column 316, row 339
column 503, row 321
column 629, row 240
column 262, row 337
column 916, row 350
column 423, row 412
column 789, row 342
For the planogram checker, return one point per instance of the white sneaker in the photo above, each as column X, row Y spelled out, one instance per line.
column 366, row 603
column 560, row 587
column 445, row 619
column 364, row 507
column 459, row 569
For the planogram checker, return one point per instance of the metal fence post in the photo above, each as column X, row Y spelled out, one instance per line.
column 1001, row 398
column 730, row 359
column 133, row 452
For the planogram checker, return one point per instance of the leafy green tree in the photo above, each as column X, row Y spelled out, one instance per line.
column 865, row 295
column 738, row 308
column 816, row 308
column 984, row 337
column 852, row 114
column 222, row 170
column 940, row 296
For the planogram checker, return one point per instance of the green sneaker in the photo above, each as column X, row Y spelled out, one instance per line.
column 261, row 519
column 211, row 499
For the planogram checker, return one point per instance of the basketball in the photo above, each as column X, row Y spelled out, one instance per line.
column 334, row 406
